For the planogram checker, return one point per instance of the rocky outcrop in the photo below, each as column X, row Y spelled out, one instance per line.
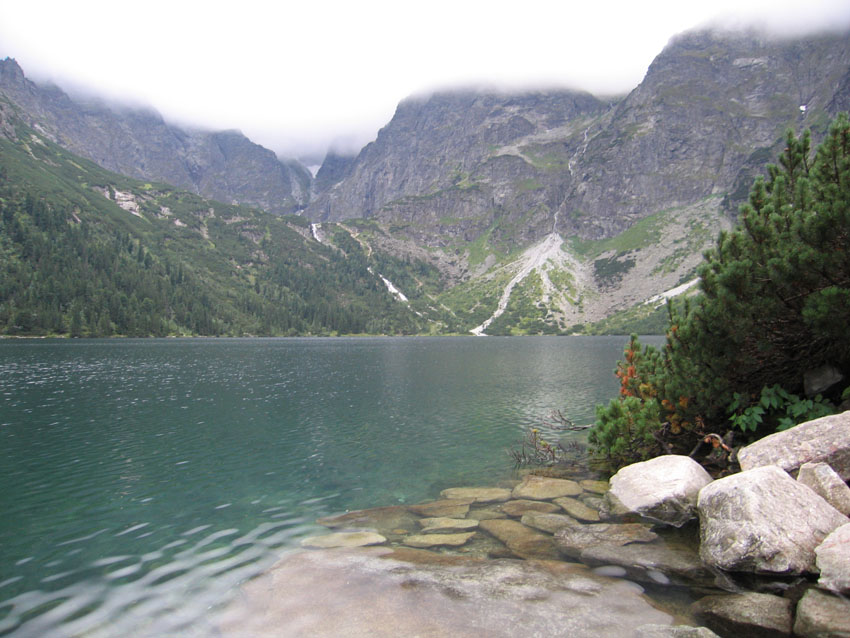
column 826, row 439
column 225, row 165
column 763, row 521
column 711, row 111
column 663, row 489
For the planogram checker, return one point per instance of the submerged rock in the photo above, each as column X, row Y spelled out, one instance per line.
column 367, row 592
column 749, row 614
column 448, row 508
column 678, row 631
column 446, row 525
column 822, row 615
column 543, row 488
column 578, row 510
column 574, row 539
column 550, row 523
column 521, row 506
column 385, row 520
column 343, row 539
column 438, row 540
column 522, row 540
column 597, row 487
column 763, row 521
column 833, row 560
column 663, row 489
column 477, row 494
column 826, row 439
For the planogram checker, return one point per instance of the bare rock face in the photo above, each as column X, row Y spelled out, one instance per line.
column 827, row 484
column 663, row 489
column 763, row 521
column 833, row 560
column 826, row 439
column 749, row 614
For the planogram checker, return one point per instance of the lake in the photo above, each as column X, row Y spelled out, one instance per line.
column 143, row 480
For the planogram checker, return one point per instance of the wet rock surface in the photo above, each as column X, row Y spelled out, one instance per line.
column 749, row 614
column 545, row 488
column 377, row 593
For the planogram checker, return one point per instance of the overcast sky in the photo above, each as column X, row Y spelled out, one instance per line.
column 297, row 77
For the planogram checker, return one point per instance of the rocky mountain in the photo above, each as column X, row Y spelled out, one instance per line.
column 562, row 208
column 225, row 166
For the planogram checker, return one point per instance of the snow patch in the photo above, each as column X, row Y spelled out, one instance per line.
column 673, row 292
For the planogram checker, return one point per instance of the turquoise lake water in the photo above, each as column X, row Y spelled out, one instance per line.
column 143, row 480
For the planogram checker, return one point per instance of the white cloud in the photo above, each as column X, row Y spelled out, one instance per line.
column 295, row 77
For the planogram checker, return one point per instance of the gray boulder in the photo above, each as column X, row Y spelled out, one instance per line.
column 749, row 614
column 663, row 489
column 826, row 483
column 833, row 560
column 822, row 615
column 763, row 521
column 826, row 439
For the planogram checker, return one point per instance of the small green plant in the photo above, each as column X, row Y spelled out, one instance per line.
column 776, row 406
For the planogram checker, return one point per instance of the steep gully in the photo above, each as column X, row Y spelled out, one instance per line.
column 316, row 231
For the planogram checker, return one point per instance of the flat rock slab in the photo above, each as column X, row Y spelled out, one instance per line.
column 826, row 439
column 446, row 525
column 597, row 487
column 572, row 540
column 833, row 560
column 679, row 631
column 577, row 509
column 543, row 488
column 448, row 508
column 822, row 615
column 381, row 519
column 521, row 506
column 478, row 494
column 367, row 593
column 343, row 539
column 750, row 614
column 438, row 540
column 655, row 562
column 550, row 523
column 522, row 540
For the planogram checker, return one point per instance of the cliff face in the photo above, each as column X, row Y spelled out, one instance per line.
column 711, row 111
column 225, row 166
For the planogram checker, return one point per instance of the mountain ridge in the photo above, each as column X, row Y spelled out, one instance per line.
column 138, row 142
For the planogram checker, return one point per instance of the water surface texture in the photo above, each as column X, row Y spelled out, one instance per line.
column 142, row 480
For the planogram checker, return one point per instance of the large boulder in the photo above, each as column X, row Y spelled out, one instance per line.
column 826, row 439
column 748, row 614
column 826, row 483
column 763, row 521
column 833, row 560
column 822, row 615
column 663, row 489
